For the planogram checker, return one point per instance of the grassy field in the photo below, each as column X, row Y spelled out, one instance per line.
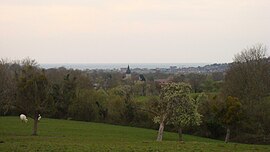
column 64, row 135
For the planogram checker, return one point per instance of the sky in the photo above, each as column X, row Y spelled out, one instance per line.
column 131, row 31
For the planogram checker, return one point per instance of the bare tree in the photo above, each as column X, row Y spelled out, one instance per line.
column 248, row 76
column 7, row 86
column 248, row 79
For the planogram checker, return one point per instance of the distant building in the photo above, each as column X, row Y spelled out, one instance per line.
column 142, row 78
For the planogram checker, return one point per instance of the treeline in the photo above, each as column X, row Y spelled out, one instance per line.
column 70, row 94
column 233, row 104
column 90, row 96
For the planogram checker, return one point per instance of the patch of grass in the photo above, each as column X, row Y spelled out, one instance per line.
column 65, row 135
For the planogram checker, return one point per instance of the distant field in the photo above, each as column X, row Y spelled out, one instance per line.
column 64, row 135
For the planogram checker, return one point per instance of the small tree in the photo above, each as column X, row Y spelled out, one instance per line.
column 32, row 91
column 184, row 108
column 174, row 99
column 232, row 113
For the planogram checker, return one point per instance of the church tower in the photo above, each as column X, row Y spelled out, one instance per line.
column 128, row 73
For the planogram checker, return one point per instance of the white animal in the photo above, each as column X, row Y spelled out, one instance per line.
column 39, row 117
column 23, row 118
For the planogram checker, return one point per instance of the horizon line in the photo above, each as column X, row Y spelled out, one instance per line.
column 141, row 63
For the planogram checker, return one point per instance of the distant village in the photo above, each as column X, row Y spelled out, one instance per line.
column 129, row 73
column 173, row 69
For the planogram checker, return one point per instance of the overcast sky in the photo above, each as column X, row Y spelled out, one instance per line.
column 131, row 31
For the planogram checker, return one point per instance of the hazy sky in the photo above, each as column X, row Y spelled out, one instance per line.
column 131, row 31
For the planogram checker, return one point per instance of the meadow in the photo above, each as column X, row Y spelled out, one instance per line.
column 66, row 135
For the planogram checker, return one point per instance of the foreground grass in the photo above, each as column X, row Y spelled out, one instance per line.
column 64, row 135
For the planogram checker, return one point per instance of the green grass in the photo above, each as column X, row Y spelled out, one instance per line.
column 64, row 135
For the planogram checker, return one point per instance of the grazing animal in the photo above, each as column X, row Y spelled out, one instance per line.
column 39, row 117
column 23, row 118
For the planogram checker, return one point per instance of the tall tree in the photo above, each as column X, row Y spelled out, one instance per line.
column 63, row 94
column 248, row 76
column 32, row 91
column 69, row 92
column 248, row 79
column 7, row 87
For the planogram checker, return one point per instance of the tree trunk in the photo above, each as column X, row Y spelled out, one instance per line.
column 227, row 135
column 160, row 131
column 180, row 134
column 35, row 125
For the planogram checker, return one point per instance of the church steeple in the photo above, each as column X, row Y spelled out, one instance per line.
column 128, row 70
column 128, row 73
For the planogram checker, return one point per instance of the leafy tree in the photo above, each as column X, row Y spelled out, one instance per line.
column 116, row 108
column 174, row 105
column 32, row 91
column 209, row 106
column 57, row 97
column 160, row 109
column 101, row 99
column 63, row 95
column 184, row 108
column 219, row 114
column 69, row 92
column 208, row 85
column 231, row 114
column 125, row 91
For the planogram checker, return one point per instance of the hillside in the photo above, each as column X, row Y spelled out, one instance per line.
column 65, row 135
